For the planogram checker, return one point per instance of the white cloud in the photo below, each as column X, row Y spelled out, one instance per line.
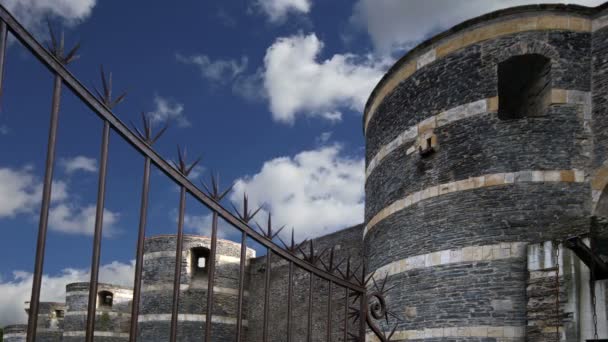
column 21, row 192
column 167, row 110
column 220, row 70
column 277, row 10
column 4, row 130
column 201, row 225
column 79, row 163
column 323, row 138
column 72, row 219
column 400, row 25
column 15, row 292
column 298, row 83
column 32, row 13
column 317, row 191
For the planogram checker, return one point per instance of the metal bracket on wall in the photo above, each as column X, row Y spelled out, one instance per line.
column 590, row 259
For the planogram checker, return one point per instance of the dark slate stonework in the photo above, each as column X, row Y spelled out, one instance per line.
column 550, row 142
column 462, row 294
column 346, row 243
column 469, row 75
column 531, row 212
column 600, row 96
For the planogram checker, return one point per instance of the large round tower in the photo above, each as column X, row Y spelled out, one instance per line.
column 157, row 288
column 481, row 142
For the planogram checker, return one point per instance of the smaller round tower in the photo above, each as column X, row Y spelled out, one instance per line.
column 157, row 288
column 113, row 312
column 15, row 333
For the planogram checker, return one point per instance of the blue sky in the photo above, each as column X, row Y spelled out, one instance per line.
column 268, row 92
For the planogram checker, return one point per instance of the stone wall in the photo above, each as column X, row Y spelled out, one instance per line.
column 111, row 321
column 346, row 243
column 450, row 228
column 157, row 290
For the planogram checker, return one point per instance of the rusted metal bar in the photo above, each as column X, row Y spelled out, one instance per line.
column 289, row 300
column 139, row 259
column 345, row 314
column 267, row 295
column 239, row 310
column 44, row 211
column 328, row 339
column 3, row 44
column 211, row 276
column 119, row 127
column 310, row 291
column 178, row 264
column 101, row 195
column 362, row 316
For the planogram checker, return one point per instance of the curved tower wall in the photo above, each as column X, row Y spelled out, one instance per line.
column 157, row 289
column 451, row 225
column 111, row 321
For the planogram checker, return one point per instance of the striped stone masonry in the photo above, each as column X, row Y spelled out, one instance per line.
column 499, row 333
column 568, row 176
column 465, row 111
column 189, row 318
column 498, row 251
column 196, row 286
column 221, row 259
column 95, row 333
column 473, row 36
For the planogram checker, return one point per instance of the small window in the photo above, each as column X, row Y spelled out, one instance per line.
column 105, row 299
column 524, row 86
column 200, row 260
column 59, row 313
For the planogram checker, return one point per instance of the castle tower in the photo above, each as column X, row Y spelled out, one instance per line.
column 157, row 288
column 483, row 143
column 113, row 312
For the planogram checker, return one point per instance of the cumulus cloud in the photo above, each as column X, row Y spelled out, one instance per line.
column 201, row 225
column 219, row 70
column 400, row 25
column 32, row 13
column 277, row 10
column 317, row 191
column 298, row 82
column 21, row 193
column 79, row 163
column 14, row 292
column 167, row 110
column 73, row 219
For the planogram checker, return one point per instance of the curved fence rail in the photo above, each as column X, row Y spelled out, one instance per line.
column 340, row 277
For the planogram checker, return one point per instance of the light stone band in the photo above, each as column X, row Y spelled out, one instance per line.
column 499, row 251
column 474, row 36
column 504, row 333
column 221, row 259
column 196, row 286
column 467, row 110
column 83, row 333
column 567, row 176
column 189, row 318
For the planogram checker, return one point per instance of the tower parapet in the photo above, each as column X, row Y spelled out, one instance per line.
column 480, row 142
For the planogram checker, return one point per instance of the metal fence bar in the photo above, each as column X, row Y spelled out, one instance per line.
column 239, row 311
column 178, row 264
column 119, row 127
column 267, row 295
column 139, row 259
column 3, row 44
column 211, row 276
column 289, row 300
column 328, row 339
column 44, row 211
column 345, row 314
column 101, row 195
column 309, row 328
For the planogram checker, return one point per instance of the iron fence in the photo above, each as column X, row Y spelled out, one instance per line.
column 338, row 275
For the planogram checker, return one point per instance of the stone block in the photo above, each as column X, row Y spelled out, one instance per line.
column 567, row 176
column 450, row 46
column 493, row 104
column 426, row 58
column 559, row 96
column 495, row 179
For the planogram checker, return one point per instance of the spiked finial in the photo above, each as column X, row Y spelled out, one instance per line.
column 213, row 191
column 147, row 136
column 269, row 233
column 106, row 96
column 293, row 247
column 246, row 215
column 57, row 48
column 181, row 164
column 312, row 256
